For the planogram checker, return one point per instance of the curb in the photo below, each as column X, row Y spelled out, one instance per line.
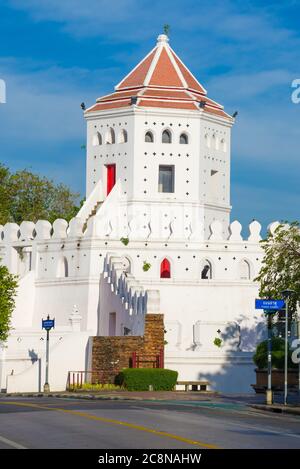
column 74, row 396
column 86, row 396
column 278, row 409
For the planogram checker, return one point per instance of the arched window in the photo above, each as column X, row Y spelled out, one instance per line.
column 110, row 136
column 183, row 139
column 244, row 270
column 63, row 268
column 206, row 270
column 165, row 269
column 126, row 265
column 166, row 137
column 215, row 142
column 123, row 136
column 207, row 140
column 223, row 144
column 149, row 137
column 97, row 139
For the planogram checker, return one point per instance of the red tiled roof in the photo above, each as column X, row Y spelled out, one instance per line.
column 167, row 94
column 168, row 104
column 138, row 74
column 164, row 73
column 160, row 80
column 190, row 80
column 117, row 95
column 111, row 105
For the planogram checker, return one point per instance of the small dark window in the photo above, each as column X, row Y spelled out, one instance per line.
column 166, row 136
column 166, row 179
column 149, row 137
column 184, row 139
column 110, row 136
column 205, row 274
column 97, row 139
column 123, row 138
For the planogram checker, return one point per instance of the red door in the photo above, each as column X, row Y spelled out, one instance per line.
column 111, row 177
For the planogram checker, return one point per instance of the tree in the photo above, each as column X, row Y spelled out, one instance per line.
column 260, row 357
column 8, row 290
column 28, row 196
column 5, row 195
column 281, row 264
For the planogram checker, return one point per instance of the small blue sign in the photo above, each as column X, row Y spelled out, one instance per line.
column 48, row 324
column 269, row 305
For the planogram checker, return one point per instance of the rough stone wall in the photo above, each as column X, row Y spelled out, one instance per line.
column 111, row 354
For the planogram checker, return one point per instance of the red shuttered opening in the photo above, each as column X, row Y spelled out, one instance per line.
column 111, row 177
column 165, row 269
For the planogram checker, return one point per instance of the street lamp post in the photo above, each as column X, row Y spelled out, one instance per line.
column 299, row 362
column 46, row 385
column 47, row 324
column 286, row 295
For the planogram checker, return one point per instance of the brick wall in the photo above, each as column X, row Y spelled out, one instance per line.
column 111, row 354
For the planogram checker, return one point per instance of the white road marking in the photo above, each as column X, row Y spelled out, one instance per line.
column 264, row 429
column 14, row 444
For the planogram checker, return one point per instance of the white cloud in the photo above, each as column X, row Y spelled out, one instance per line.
column 43, row 103
column 126, row 17
column 258, row 54
column 249, row 85
column 85, row 18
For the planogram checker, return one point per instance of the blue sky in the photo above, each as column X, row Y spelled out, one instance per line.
column 54, row 54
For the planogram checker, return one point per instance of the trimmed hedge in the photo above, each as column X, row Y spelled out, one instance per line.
column 139, row 379
column 260, row 357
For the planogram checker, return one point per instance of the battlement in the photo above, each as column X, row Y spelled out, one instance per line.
column 42, row 230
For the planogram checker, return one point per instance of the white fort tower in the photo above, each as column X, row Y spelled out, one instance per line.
column 153, row 238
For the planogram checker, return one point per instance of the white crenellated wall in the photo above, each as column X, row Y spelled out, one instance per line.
column 86, row 264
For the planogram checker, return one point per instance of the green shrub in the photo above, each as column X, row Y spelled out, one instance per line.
column 95, row 387
column 139, row 379
column 260, row 357
column 218, row 342
column 146, row 266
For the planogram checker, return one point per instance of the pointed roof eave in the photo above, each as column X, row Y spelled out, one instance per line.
column 210, row 101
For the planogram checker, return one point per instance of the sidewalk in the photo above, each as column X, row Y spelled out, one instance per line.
column 278, row 408
column 251, row 400
column 123, row 395
column 293, row 406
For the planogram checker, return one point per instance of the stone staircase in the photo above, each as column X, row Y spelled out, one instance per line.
column 92, row 213
column 92, row 204
column 136, row 301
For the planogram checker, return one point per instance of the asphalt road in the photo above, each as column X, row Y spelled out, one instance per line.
column 107, row 424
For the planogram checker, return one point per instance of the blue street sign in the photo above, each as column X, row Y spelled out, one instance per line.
column 269, row 305
column 48, row 324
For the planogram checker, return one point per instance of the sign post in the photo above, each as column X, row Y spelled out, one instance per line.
column 286, row 294
column 269, row 390
column 270, row 307
column 47, row 324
